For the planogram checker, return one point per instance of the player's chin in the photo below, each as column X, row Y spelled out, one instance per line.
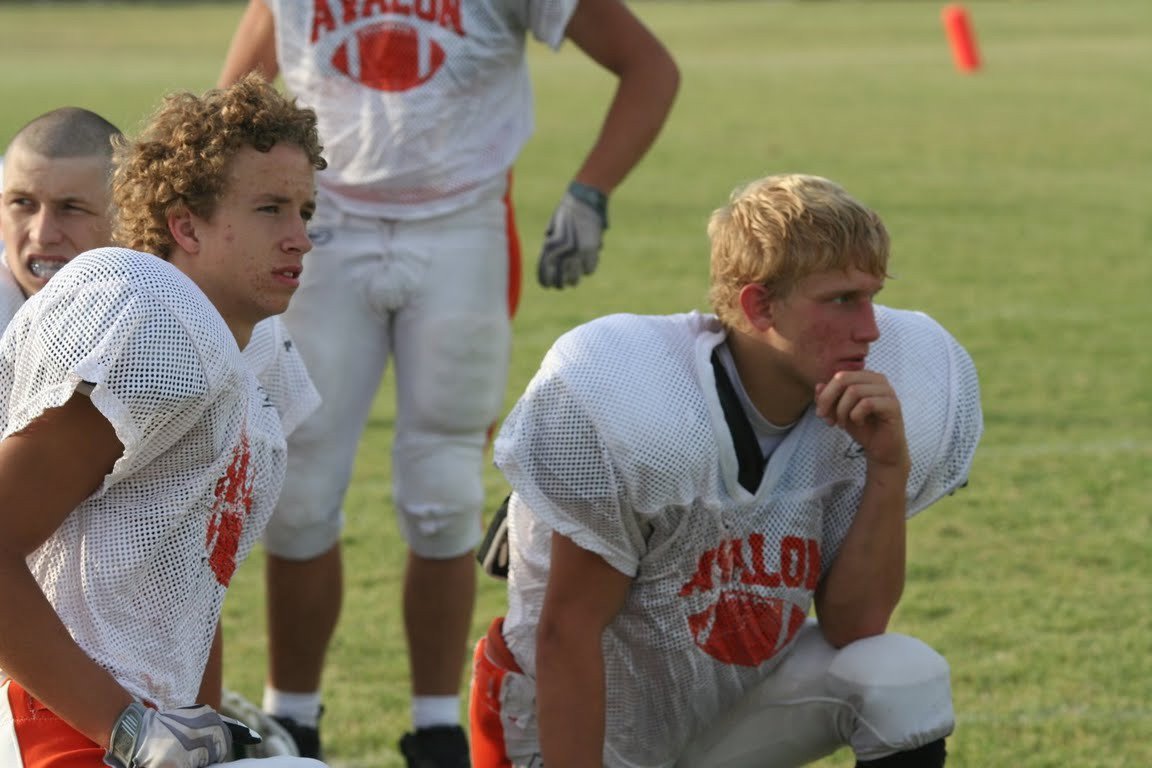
column 276, row 303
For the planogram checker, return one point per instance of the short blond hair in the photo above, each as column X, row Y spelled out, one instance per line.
column 780, row 229
column 182, row 158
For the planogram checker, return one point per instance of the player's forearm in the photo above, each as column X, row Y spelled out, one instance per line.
column 570, row 700
column 864, row 584
column 37, row 652
column 212, row 682
column 253, row 46
column 644, row 96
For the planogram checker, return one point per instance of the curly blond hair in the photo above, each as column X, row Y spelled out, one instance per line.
column 181, row 159
column 780, row 229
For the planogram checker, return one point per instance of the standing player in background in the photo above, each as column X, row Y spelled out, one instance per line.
column 688, row 487
column 115, row 561
column 423, row 109
column 54, row 199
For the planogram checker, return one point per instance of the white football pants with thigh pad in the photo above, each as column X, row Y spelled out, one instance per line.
column 433, row 294
column 881, row 695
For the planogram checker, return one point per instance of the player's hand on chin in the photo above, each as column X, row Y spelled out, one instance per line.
column 864, row 405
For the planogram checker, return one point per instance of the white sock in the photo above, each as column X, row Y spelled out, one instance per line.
column 435, row 710
column 304, row 708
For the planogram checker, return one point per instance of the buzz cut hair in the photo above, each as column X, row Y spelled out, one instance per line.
column 67, row 132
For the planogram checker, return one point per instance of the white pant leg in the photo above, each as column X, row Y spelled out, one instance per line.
column 9, row 748
column 880, row 695
column 451, row 346
column 344, row 337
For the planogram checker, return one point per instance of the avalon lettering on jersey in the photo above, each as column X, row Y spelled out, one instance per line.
column 446, row 13
column 738, row 561
column 232, row 506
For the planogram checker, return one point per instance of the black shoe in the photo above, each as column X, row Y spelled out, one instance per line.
column 307, row 737
column 438, row 746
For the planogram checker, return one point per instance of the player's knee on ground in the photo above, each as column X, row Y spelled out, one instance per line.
column 899, row 691
column 439, row 493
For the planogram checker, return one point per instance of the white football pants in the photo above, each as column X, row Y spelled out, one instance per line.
column 433, row 295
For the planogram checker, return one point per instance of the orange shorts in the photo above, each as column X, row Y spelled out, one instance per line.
column 42, row 740
column 491, row 663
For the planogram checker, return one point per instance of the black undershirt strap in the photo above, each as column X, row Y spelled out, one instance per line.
column 748, row 455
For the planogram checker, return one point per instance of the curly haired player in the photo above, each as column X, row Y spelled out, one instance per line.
column 164, row 380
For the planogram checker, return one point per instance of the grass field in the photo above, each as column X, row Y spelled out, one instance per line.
column 1020, row 202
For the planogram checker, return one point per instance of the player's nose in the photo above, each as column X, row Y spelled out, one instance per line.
column 45, row 227
column 866, row 330
column 298, row 240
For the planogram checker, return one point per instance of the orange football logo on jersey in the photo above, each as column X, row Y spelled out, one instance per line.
column 744, row 628
column 389, row 57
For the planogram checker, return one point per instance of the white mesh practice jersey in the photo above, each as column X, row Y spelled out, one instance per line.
column 11, row 296
column 138, row 571
column 422, row 106
column 620, row 443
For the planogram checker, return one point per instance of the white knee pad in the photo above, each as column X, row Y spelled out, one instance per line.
column 439, row 492
column 899, row 689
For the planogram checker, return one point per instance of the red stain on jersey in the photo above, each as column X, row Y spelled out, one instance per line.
column 387, row 57
column 232, row 506
column 743, row 626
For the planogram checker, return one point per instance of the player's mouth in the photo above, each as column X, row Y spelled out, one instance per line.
column 289, row 275
column 45, row 267
column 850, row 363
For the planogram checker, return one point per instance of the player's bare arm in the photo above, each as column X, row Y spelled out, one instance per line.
column 36, row 496
column 253, row 46
column 584, row 594
column 863, row 586
column 612, row 36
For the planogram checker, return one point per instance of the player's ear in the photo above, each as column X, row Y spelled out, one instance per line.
column 756, row 305
column 182, row 227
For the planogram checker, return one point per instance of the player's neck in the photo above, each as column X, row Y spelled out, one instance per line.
column 774, row 389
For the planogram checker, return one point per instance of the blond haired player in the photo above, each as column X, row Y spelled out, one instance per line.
column 113, row 565
column 423, row 109
column 54, row 199
column 688, row 487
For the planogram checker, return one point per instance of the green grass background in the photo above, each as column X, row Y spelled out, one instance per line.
column 1020, row 203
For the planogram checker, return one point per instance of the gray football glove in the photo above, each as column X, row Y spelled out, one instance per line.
column 188, row 737
column 575, row 233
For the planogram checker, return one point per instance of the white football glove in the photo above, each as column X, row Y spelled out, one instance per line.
column 188, row 737
column 575, row 233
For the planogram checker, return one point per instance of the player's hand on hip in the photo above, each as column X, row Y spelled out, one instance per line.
column 575, row 234
column 188, row 737
column 864, row 404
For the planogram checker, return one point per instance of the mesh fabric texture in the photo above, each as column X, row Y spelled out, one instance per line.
column 620, row 444
column 421, row 108
column 138, row 571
